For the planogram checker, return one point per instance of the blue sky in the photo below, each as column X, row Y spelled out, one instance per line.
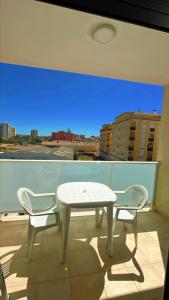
column 50, row 100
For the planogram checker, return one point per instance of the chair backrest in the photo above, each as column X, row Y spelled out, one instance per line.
column 23, row 197
column 138, row 196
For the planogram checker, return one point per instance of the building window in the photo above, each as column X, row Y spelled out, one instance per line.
column 151, row 137
column 131, row 137
column 150, row 147
column 132, row 128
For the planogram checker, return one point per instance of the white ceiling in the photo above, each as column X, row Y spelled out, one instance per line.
column 47, row 36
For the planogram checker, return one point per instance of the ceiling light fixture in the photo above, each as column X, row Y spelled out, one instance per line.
column 103, row 33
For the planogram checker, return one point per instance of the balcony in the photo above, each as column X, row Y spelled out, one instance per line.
column 90, row 273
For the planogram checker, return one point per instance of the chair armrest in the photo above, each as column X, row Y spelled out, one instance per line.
column 123, row 207
column 119, row 192
column 43, row 195
column 48, row 211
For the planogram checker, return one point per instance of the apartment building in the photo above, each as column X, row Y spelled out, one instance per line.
column 6, row 131
column 63, row 136
column 105, row 139
column 34, row 133
column 135, row 136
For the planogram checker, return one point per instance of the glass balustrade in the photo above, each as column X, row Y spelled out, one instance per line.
column 45, row 176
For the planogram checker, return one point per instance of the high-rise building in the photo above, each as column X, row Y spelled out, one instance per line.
column 13, row 132
column 135, row 136
column 105, row 139
column 34, row 133
column 6, row 131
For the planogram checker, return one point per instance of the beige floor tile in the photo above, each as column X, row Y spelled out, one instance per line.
column 132, row 257
column 53, row 269
column 160, row 269
column 18, row 271
column 78, row 242
column 88, row 287
column 76, row 227
column 152, row 284
column 83, row 262
column 152, row 251
column 55, row 290
column 22, row 292
column 121, row 284
column 58, row 289
column 12, row 232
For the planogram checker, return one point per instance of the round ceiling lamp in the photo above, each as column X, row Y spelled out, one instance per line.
column 103, row 33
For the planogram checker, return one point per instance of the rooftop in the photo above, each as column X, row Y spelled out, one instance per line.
column 90, row 273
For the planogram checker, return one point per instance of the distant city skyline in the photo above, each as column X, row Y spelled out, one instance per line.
column 48, row 100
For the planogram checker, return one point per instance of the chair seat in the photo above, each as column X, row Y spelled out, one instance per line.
column 127, row 215
column 42, row 221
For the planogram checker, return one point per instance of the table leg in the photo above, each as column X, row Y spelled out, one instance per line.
column 109, row 229
column 65, row 231
column 97, row 211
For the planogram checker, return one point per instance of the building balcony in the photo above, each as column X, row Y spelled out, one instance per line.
column 90, row 273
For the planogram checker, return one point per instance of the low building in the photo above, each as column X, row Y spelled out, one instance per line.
column 62, row 136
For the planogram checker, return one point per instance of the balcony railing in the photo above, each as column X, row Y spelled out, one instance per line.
column 45, row 176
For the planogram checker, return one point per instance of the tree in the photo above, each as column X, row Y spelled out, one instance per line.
column 1, row 139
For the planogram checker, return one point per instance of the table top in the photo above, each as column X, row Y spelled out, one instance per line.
column 85, row 194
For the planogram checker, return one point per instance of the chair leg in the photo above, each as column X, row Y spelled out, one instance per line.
column 110, row 229
column 135, row 231
column 31, row 237
column 3, row 285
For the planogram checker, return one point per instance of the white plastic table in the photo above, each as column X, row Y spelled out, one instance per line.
column 85, row 195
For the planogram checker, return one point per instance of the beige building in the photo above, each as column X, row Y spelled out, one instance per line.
column 105, row 139
column 135, row 136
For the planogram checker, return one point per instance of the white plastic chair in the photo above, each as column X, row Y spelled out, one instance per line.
column 3, row 290
column 38, row 219
column 126, row 212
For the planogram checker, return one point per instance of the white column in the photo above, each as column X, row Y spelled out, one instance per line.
column 162, row 188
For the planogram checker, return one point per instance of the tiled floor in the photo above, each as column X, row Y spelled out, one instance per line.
column 90, row 274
